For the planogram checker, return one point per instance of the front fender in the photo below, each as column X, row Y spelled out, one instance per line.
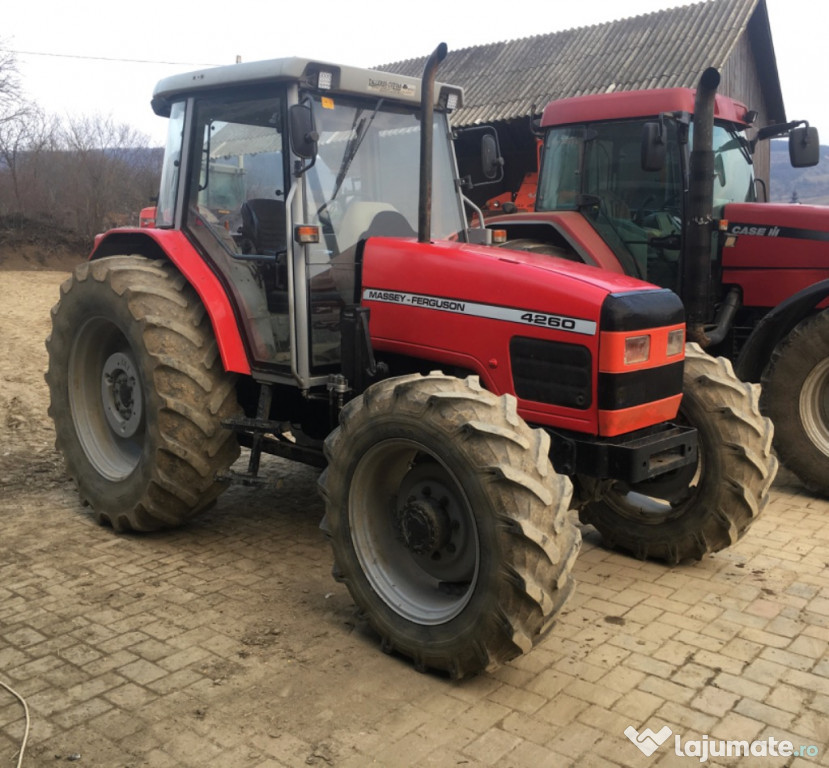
column 173, row 245
column 776, row 325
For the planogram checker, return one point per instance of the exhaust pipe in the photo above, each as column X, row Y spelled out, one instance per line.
column 696, row 269
column 427, row 108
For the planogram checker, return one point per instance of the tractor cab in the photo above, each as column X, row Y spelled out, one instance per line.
column 607, row 171
column 277, row 185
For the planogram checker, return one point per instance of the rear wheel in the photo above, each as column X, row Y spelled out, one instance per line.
column 709, row 506
column 796, row 398
column 138, row 393
column 448, row 524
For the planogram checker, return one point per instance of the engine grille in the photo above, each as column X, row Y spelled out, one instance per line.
column 552, row 372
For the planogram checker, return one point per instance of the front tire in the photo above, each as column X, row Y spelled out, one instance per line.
column 138, row 394
column 796, row 398
column 689, row 513
column 447, row 522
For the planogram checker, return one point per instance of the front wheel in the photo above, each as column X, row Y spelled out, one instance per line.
column 796, row 398
column 447, row 522
column 138, row 393
column 708, row 506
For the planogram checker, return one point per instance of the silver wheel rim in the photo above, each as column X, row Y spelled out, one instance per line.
column 814, row 406
column 106, row 399
column 413, row 532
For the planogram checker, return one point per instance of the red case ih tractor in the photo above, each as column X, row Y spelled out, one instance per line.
column 620, row 187
column 308, row 269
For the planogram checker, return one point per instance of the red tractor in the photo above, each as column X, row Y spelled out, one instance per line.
column 303, row 310
column 620, row 187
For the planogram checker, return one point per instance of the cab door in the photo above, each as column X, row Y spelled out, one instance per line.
column 235, row 211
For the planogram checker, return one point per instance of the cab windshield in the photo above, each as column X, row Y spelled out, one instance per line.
column 597, row 169
column 366, row 176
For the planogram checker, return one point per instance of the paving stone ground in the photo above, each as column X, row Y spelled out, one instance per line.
column 228, row 643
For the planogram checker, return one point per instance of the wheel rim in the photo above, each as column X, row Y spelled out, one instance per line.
column 106, row 399
column 413, row 532
column 814, row 406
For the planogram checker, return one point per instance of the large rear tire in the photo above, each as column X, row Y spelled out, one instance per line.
column 138, row 394
column 448, row 524
column 796, row 398
column 707, row 507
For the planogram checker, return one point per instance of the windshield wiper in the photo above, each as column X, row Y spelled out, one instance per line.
column 359, row 132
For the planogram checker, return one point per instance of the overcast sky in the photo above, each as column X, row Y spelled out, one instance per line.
column 177, row 37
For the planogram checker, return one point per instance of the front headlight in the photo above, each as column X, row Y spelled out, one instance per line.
column 676, row 342
column 637, row 349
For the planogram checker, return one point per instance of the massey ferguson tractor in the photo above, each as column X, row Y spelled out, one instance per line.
column 328, row 303
column 619, row 186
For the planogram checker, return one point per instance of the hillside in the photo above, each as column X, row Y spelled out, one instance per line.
column 39, row 245
column 803, row 185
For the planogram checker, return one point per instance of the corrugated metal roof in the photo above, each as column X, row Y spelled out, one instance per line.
column 665, row 49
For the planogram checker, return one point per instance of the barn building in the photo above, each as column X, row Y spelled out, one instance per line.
column 508, row 83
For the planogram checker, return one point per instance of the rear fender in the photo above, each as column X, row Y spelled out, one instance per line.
column 775, row 326
column 173, row 245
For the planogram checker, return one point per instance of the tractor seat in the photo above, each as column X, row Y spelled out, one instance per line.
column 389, row 224
column 263, row 226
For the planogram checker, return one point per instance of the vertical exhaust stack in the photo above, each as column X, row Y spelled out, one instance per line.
column 427, row 107
column 696, row 272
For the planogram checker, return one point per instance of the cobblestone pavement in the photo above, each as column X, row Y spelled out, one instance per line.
column 228, row 644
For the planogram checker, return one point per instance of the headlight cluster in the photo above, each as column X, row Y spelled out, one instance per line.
column 638, row 348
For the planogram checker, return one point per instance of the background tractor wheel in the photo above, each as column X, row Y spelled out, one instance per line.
column 448, row 524
column 796, row 398
column 709, row 506
column 138, row 393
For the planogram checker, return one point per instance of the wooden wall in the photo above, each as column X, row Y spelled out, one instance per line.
column 741, row 81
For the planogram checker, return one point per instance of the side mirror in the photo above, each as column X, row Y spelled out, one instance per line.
column 479, row 155
column 804, row 147
column 491, row 162
column 653, row 147
column 304, row 136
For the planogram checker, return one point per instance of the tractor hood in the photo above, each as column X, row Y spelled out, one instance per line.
column 791, row 220
column 520, row 279
column 499, row 313
column 767, row 235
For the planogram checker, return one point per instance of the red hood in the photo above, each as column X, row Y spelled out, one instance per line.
column 490, row 274
column 772, row 251
column 572, row 225
column 783, row 215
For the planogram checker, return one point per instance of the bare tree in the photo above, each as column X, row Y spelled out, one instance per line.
column 112, row 170
column 25, row 141
column 85, row 173
column 11, row 94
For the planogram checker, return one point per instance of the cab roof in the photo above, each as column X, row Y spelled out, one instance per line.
column 623, row 105
column 305, row 72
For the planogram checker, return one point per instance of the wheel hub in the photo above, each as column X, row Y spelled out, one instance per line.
column 424, row 526
column 121, row 394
